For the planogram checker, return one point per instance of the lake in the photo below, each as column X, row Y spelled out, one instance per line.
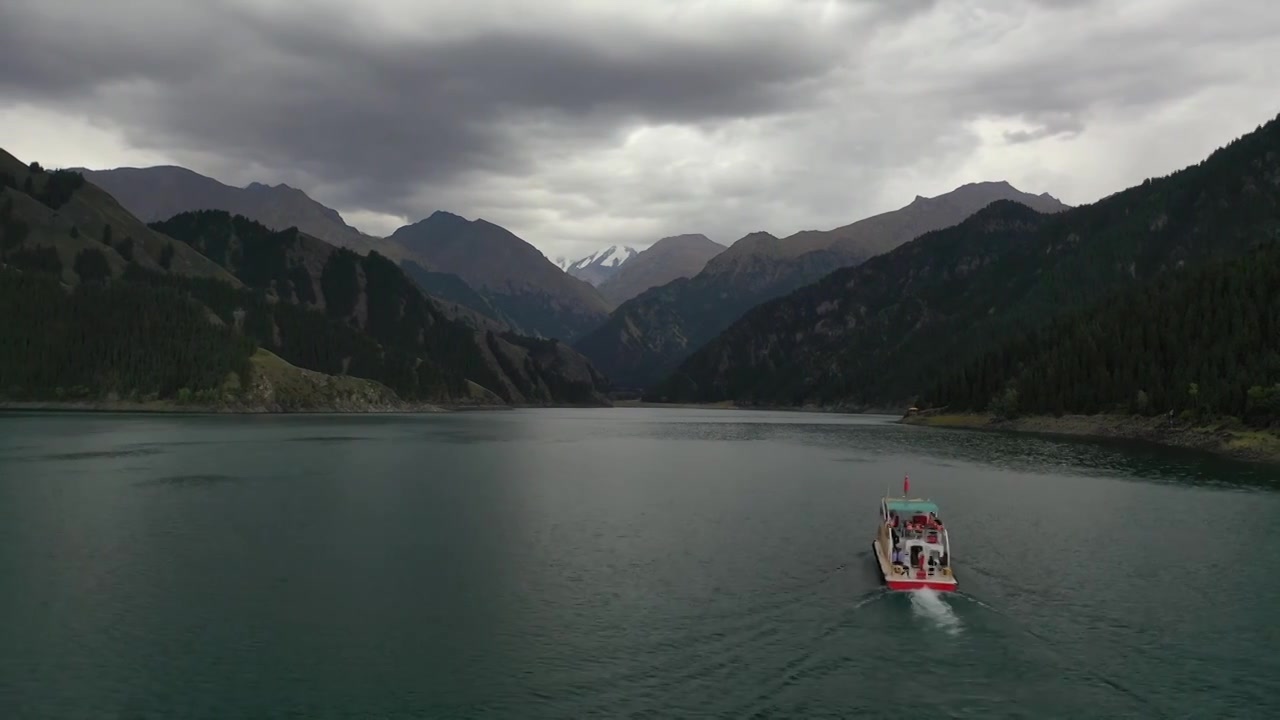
column 619, row 563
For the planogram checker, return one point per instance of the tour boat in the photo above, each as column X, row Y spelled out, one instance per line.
column 911, row 544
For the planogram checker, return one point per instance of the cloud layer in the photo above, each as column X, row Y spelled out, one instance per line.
column 580, row 124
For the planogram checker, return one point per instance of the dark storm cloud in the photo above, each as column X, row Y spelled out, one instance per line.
column 582, row 122
column 306, row 93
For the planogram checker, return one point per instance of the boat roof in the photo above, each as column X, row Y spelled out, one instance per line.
column 910, row 505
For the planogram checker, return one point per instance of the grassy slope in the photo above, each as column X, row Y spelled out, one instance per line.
column 277, row 386
column 89, row 210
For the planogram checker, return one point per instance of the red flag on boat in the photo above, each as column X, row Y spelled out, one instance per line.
column 906, row 485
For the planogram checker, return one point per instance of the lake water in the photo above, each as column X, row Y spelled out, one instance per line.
column 618, row 563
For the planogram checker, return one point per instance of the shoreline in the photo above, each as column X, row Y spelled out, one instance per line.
column 169, row 407
column 729, row 405
column 1220, row 438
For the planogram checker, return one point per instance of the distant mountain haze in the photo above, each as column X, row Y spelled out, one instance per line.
column 649, row 335
column 159, row 193
column 668, row 259
column 529, row 290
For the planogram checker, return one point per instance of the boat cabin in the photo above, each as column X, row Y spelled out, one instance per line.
column 916, row 538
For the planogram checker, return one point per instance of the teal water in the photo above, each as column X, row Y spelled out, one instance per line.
column 618, row 563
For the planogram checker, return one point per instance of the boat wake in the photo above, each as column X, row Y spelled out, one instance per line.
column 871, row 597
column 929, row 604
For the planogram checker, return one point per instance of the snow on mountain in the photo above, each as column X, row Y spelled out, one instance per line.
column 600, row 265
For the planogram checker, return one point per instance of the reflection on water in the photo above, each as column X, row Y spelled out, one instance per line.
column 187, row 480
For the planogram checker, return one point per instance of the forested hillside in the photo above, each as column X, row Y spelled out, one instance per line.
column 47, row 213
column 882, row 333
column 331, row 310
column 98, row 306
column 115, row 339
column 1201, row 342
column 72, row 330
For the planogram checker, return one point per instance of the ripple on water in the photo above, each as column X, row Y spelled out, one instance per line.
column 187, row 480
column 102, row 454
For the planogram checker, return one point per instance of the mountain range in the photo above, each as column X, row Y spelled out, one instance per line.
column 958, row 300
column 983, row 296
column 647, row 336
column 505, row 279
column 159, row 193
column 502, row 280
column 222, row 309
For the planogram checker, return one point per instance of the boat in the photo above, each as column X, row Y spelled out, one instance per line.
column 912, row 545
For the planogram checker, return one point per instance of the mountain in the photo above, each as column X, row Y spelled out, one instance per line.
column 526, row 288
column 342, row 313
column 600, row 265
column 159, row 193
column 1203, row 341
column 668, row 259
column 881, row 233
column 102, row 308
column 883, row 332
column 648, row 336
column 52, row 217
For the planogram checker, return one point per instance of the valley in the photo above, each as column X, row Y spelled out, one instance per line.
column 958, row 303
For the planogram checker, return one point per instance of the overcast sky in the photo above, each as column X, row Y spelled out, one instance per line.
column 580, row 124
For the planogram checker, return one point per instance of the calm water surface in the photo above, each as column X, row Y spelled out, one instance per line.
column 618, row 563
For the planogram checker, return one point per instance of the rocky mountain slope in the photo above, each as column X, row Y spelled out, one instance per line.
column 159, row 193
column 671, row 258
column 881, row 233
column 528, row 291
column 883, row 332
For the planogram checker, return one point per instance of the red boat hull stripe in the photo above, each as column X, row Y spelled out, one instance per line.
column 920, row 585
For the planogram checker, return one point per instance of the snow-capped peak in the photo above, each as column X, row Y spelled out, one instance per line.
column 610, row 257
column 599, row 265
